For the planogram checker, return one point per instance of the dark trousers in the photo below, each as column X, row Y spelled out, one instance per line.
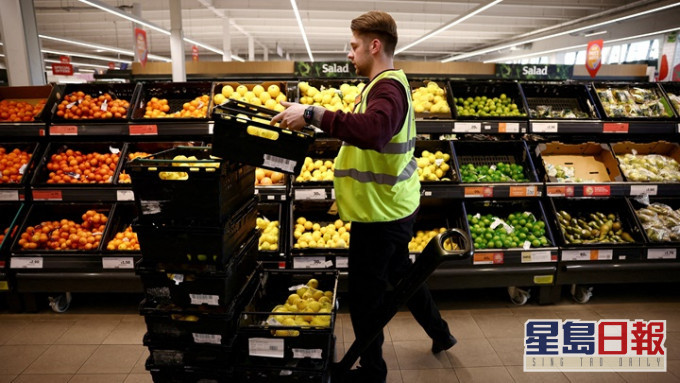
column 378, row 257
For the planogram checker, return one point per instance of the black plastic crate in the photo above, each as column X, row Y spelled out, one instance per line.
column 492, row 152
column 176, row 93
column 623, row 151
column 143, row 149
column 32, row 95
column 465, row 89
column 168, row 355
column 188, row 374
column 273, row 211
column 124, row 91
column 672, row 90
column 658, row 225
column 584, row 209
column 121, row 218
column 434, row 214
column 237, row 137
column 450, row 175
column 631, row 101
column 548, row 101
column 203, row 195
column 33, row 149
column 445, row 94
column 196, row 289
column 263, row 342
column 41, row 174
column 324, row 150
column 318, row 212
column 197, row 248
column 285, row 374
column 49, row 211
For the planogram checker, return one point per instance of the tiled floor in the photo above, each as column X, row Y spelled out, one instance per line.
column 102, row 343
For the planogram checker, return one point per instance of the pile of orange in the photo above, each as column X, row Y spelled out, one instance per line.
column 125, row 240
column 11, row 163
column 65, row 234
column 19, row 111
column 72, row 166
column 123, row 177
column 265, row 177
column 159, row 108
column 80, row 106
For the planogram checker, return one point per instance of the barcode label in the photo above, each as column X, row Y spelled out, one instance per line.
column 270, row 348
column 199, row 299
column 207, row 338
column 301, row 353
column 280, row 163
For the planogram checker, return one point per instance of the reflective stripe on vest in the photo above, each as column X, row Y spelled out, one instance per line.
column 379, row 178
column 396, row 147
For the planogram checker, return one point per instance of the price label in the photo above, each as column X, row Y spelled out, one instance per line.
column 560, row 191
column 125, row 195
column 301, row 353
column 596, row 191
column 26, row 263
column 661, row 254
column 267, row 347
column 341, row 262
column 200, row 299
column 118, row 263
column 63, row 130
column 9, row 195
column 47, row 195
column 602, row 255
column 615, row 127
column 523, row 191
column 544, row 127
column 309, row 263
column 211, row 127
column 301, row 194
column 508, row 127
column 207, row 338
column 643, row 189
column 467, row 127
column 536, row 256
column 576, row 255
column 270, row 161
column 143, row 130
column 488, row 259
column 678, row 128
column 478, row 191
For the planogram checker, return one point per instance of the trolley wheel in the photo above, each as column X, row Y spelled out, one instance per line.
column 61, row 302
column 581, row 294
column 518, row 296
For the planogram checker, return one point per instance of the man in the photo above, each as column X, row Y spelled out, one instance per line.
column 376, row 186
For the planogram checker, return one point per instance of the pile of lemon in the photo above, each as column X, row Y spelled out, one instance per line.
column 270, row 98
column 422, row 238
column 316, row 170
column 305, row 308
column 309, row 234
column 433, row 166
column 269, row 239
column 430, row 99
column 331, row 98
column 183, row 176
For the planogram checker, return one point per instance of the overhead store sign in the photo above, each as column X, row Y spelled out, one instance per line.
column 534, row 71
column 62, row 69
column 141, row 46
column 594, row 57
column 328, row 69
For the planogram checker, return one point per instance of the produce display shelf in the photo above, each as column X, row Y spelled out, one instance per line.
column 604, row 189
column 272, row 193
column 172, row 127
column 86, row 282
column 490, row 126
column 23, row 129
column 320, row 259
column 428, row 125
column 81, row 262
column 591, row 272
column 484, row 190
column 317, row 191
column 82, row 193
column 605, row 127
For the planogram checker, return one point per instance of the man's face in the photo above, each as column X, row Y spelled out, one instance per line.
column 359, row 54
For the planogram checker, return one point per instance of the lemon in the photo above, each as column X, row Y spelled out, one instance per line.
column 258, row 89
column 227, row 91
column 242, row 90
column 273, row 90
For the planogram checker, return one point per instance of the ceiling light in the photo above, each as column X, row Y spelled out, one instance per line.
column 77, row 64
column 101, row 47
column 615, row 20
column 85, row 55
column 119, row 13
column 594, row 33
column 302, row 29
column 449, row 25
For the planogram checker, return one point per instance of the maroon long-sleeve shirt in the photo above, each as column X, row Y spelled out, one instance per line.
column 384, row 116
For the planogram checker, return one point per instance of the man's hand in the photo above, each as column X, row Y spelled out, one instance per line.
column 291, row 118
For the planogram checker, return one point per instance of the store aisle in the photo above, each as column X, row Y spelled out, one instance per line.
column 104, row 344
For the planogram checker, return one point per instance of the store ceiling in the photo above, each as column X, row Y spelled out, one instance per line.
column 272, row 24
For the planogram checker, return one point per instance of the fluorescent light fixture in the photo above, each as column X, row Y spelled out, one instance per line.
column 78, row 64
column 594, row 33
column 119, row 13
column 86, row 70
column 101, row 47
column 449, row 25
column 596, row 25
column 85, row 55
column 302, row 29
column 208, row 47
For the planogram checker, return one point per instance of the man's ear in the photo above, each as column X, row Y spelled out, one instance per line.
column 376, row 46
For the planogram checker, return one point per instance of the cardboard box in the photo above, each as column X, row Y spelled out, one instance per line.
column 591, row 161
column 659, row 147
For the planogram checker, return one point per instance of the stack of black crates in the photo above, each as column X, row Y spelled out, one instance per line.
column 196, row 228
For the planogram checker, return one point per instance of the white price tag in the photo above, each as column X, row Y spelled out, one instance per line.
column 412, row 257
column 199, row 299
column 114, row 150
column 310, row 194
column 535, row 256
column 328, row 264
column 279, row 163
column 661, row 254
column 512, row 127
column 544, row 127
column 178, row 278
column 207, row 338
column 341, row 262
column 526, row 246
column 9, row 195
column 643, row 189
column 22, row 169
column 211, row 127
column 678, row 128
column 125, row 195
column 467, row 127
column 26, row 263
column 118, row 263
column 270, row 348
column 604, row 255
column 333, row 193
column 301, row 353
column 309, row 262
column 151, row 207
column 576, row 255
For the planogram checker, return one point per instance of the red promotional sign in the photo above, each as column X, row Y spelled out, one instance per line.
column 65, row 59
column 112, row 65
column 194, row 53
column 140, row 46
column 594, row 57
column 62, row 69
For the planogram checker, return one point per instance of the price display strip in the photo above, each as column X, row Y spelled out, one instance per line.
column 143, row 130
column 63, row 130
column 172, row 127
column 9, row 195
column 488, row 258
column 271, row 193
column 540, row 256
column 652, row 127
column 441, row 191
column 504, row 127
column 566, row 126
column 587, row 190
column 431, row 125
column 26, row 263
column 467, row 127
column 653, row 253
column 82, row 194
column 501, row 190
column 313, row 262
column 588, row 255
column 118, row 263
column 266, row 347
column 313, row 194
column 22, row 129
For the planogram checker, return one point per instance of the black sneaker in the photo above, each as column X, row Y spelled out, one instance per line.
column 443, row 345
